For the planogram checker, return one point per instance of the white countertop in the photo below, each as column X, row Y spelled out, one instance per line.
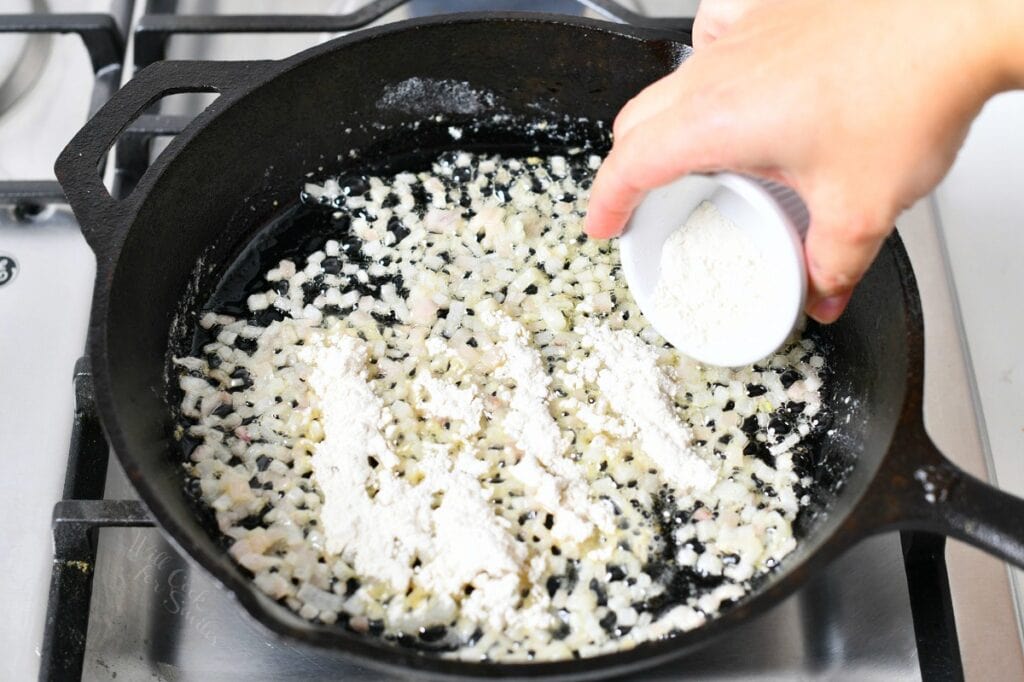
column 981, row 210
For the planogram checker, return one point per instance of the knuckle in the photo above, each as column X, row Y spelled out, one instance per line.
column 833, row 282
column 845, row 222
column 620, row 126
column 610, row 186
column 618, row 165
column 863, row 228
column 618, row 123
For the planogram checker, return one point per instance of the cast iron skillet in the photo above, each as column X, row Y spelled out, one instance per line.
column 160, row 250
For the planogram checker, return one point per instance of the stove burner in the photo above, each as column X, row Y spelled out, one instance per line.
column 8, row 269
column 22, row 57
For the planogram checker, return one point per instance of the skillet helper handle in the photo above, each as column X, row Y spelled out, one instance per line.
column 79, row 165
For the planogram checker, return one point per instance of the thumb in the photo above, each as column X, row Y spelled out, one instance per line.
column 840, row 247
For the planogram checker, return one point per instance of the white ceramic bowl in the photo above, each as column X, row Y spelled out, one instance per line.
column 775, row 219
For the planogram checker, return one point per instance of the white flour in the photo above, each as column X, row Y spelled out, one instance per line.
column 443, row 400
column 556, row 482
column 460, row 542
column 713, row 284
column 640, row 391
column 529, row 420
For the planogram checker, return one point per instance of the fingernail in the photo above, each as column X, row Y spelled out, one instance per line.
column 828, row 309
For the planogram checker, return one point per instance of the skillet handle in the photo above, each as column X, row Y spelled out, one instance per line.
column 932, row 494
column 79, row 166
column 968, row 509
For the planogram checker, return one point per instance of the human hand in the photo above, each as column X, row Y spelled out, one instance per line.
column 860, row 107
column 715, row 17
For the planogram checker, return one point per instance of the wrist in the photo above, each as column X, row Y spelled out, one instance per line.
column 1004, row 23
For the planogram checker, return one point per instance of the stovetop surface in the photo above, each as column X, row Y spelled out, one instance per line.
column 154, row 615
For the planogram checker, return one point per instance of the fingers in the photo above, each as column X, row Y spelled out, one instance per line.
column 678, row 140
column 708, row 23
column 840, row 246
column 649, row 155
column 715, row 17
column 612, row 199
column 651, row 101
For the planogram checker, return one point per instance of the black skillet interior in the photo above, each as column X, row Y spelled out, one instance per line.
column 366, row 93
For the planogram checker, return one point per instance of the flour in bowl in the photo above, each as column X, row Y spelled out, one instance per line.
column 713, row 283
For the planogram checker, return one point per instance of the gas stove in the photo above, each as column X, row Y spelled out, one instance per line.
column 94, row 591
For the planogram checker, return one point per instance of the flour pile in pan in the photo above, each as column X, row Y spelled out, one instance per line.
column 450, row 426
